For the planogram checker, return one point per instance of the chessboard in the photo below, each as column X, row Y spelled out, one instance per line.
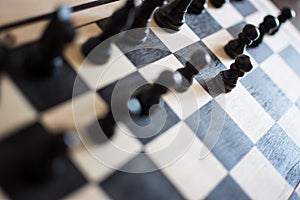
column 241, row 145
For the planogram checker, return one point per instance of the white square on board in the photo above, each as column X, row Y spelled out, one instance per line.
column 259, row 179
column 15, row 111
column 240, row 105
column 193, row 176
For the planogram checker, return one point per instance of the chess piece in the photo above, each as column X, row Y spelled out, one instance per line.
column 218, row 3
column 140, row 29
column 108, row 124
column 172, row 15
column 46, row 56
column 30, row 157
column 237, row 46
column 286, row 14
column 230, row 77
column 150, row 94
column 199, row 60
column 120, row 20
column 197, row 6
column 269, row 24
column 3, row 57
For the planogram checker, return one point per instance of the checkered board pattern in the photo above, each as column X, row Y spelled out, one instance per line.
column 256, row 157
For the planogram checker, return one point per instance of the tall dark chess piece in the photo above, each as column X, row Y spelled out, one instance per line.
column 47, row 54
column 238, row 69
column 199, row 60
column 172, row 15
column 197, row 6
column 140, row 26
column 118, row 22
column 237, row 46
column 269, row 24
column 286, row 14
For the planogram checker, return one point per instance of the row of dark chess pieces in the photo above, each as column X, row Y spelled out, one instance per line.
column 171, row 17
column 46, row 55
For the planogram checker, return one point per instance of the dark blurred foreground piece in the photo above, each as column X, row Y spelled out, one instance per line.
column 197, row 6
column 140, row 27
column 3, row 57
column 120, row 20
column 47, row 55
column 172, row 15
column 107, row 124
column 286, row 14
column 269, row 24
column 29, row 156
column 150, row 94
column 237, row 46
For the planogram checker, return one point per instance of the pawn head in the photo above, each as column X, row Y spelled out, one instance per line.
column 271, row 21
column 251, row 32
column 243, row 63
column 288, row 13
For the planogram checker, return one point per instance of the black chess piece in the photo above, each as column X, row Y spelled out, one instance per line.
column 150, row 94
column 286, row 14
column 218, row 3
column 199, row 60
column 30, row 157
column 3, row 57
column 269, row 24
column 197, row 6
column 237, row 46
column 172, row 15
column 47, row 55
column 108, row 124
column 230, row 77
column 120, row 20
column 140, row 27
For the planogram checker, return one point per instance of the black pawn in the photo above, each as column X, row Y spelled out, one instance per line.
column 47, row 55
column 197, row 6
column 237, row 46
column 199, row 60
column 172, row 15
column 286, row 14
column 269, row 24
column 230, row 77
column 118, row 22
column 218, row 3
column 140, row 28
